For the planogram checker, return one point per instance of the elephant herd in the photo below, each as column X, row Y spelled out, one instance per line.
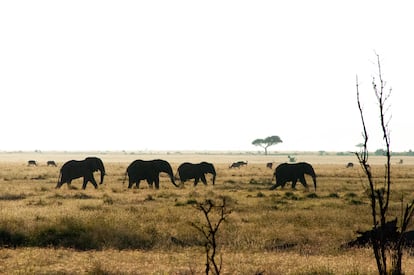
column 138, row 170
column 149, row 170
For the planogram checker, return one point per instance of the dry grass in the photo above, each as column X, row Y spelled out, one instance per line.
column 147, row 231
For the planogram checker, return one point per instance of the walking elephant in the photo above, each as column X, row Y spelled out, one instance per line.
column 293, row 172
column 196, row 171
column 74, row 169
column 148, row 170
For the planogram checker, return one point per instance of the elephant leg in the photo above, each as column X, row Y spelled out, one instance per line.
column 276, row 185
column 196, row 179
column 303, row 181
column 94, row 183
column 130, row 183
column 87, row 179
column 137, row 183
column 294, row 183
column 157, row 182
column 203, row 179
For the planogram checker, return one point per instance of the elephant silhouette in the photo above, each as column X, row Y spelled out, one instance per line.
column 74, row 169
column 196, row 171
column 293, row 172
column 148, row 170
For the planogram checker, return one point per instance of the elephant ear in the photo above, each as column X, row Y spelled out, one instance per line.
column 92, row 164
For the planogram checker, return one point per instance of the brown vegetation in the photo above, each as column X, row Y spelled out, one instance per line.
column 116, row 230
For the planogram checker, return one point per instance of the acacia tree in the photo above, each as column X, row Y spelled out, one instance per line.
column 267, row 142
column 384, row 241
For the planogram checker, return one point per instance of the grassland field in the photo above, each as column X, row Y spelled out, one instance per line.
column 116, row 230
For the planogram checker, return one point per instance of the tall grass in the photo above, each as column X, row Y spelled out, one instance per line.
column 283, row 227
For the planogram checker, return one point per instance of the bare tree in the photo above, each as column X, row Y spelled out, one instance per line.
column 383, row 241
column 210, row 230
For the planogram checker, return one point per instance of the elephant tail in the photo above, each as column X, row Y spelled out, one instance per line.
column 125, row 175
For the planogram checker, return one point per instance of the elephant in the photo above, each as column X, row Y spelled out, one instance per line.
column 148, row 170
column 74, row 169
column 293, row 172
column 196, row 171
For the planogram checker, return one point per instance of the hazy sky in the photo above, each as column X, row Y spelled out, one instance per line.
column 201, row 75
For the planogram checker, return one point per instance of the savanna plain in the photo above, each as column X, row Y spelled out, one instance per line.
column 116, row 230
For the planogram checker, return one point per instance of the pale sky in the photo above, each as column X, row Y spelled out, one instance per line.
column 201, row 75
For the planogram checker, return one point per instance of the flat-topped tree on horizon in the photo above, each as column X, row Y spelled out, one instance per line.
column 267, row 142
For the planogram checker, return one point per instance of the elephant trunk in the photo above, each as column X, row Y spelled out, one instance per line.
column 172, row 180
column 214, row 178
column 314, row 181
column 102, row 170
column 59, row 183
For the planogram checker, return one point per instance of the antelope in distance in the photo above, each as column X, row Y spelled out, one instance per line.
column 31, row 163
column 238, row 164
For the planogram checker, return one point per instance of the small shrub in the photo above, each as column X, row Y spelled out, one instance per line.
column 317, row 271
column 107, row 200
column 89, row 207
column 149, row 198
column 68, row 233
column 312, row 196
column 97, row 269
column 355, row 202
column 260, row 195
column 253, row 181
column 179, row 203
column 350, row 195
column 291, row 196
column 82, row 196
column 191, row 201
column 12, row 197
column 11, row 239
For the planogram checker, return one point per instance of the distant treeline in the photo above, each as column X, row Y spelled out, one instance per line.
column 378, row 152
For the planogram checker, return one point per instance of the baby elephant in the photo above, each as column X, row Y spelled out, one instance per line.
column 293, row 172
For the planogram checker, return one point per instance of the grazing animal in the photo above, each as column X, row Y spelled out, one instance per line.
column 269, row 165
column 31, row 163
column 148, row 170
column 196, row 171
column 293, row 172
column 349, row 165
column 238, row 164
column 401, row 161
column 74, row 169
column 51, row 163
